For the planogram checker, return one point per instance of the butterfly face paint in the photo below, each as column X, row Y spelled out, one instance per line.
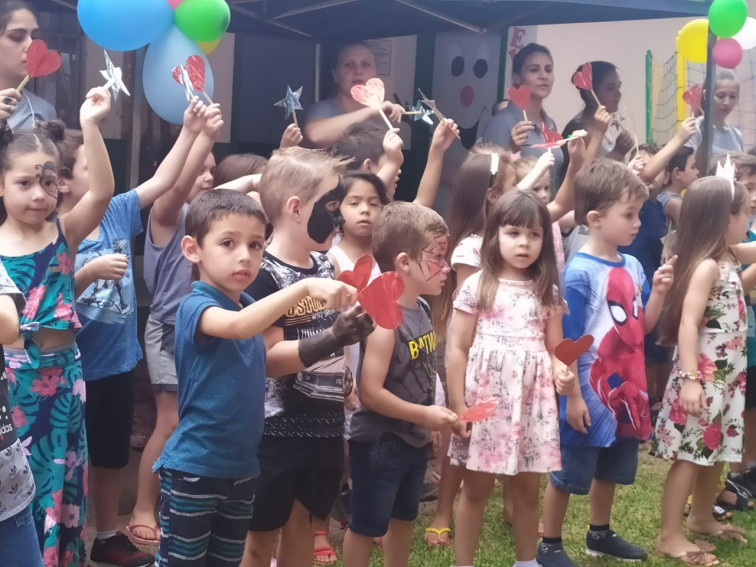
column 326, row 215
column 48, row 178
column 433, row 257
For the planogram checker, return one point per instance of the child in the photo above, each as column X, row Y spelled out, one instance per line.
column 725, row 138
column 390, row 434
column 603, row 421
column 47, row 390
column 106, row 305
column 681, row 171
column 701, row 422
column 168, row 277
column 18, row 538
column 506, row 324
column 302, row 452
column 209, row 464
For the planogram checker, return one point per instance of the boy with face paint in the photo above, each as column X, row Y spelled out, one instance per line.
column 301, row 453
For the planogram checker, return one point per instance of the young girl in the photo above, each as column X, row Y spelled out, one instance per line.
column 725, row 138
column 700, row 425
column 507, row 321
column 37, row 250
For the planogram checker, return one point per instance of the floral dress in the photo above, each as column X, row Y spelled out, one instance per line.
column 508, row 362
column 716, row 434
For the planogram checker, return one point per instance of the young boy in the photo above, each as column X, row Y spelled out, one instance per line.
column 682, row 171
column 209, row 465
column 607, row 416
column 390, row 435
column 301, row 453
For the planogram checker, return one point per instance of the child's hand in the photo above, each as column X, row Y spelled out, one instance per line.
column 462, row 428
column 519, row 135
column 214, row 121
column 438, row 417
column 96, row 106
column 564, row 380
column 108, row 266
column 195, row 116
column 687, row 130
column 601, row 120
column 636, row 165
column 444, row 135
column 577, row 414
column 544, row 163
column 393, row 112
column 291, row 137
column 392, row 147
column 8, row 100
column 576, row 148
column 332, row 293
column 624, row 142
column 352, row 326
column 692, row 397
column 664, row 276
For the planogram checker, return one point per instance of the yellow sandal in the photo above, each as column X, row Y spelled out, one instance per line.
column 438, row 542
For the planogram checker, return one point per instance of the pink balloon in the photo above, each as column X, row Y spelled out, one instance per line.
column 174, row 3
column 727, row 53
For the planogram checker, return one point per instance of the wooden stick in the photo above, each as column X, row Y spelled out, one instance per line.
column 385, row 118
column 598, row 102
column 525, row 114
column 294, row 113
column 23, row 83
column 207, row 97
column 408, row 112
column 636, row 144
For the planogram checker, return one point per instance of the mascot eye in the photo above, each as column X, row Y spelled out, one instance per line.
column 482, row 57
column 618, row 313
column 456, row 60
column 480, row 68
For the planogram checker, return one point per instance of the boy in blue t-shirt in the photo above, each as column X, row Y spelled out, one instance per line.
column 209, row 465
column 607, row 416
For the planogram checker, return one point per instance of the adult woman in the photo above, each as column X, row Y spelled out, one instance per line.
column 532, row 66
column 327, row 119
column 725, row 138
column 18, row 22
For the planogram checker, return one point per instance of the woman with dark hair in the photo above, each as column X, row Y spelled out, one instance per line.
column 327, row 119
column 18, row 26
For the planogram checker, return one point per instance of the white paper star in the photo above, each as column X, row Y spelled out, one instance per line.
column 114, row 78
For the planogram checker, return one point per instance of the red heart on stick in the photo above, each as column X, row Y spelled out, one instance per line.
column 360, row 277
column 379, row 300
column 549, row 135
column 41, row 61
column 583, row 79
column 693, row 98
column 177, row 74
column 195, row 66
column 519, row 96
column 480, row 411
column 369, row 94
column 568, row 351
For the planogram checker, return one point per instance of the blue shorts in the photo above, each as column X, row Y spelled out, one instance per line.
column 580, row 465
column 387, row 481
column 656, row 354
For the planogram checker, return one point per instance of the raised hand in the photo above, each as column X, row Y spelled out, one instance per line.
column 96, row 106
column 291, row 137
column 214, row 123
column 195, row 116
column 519, row 135
column 444, row 134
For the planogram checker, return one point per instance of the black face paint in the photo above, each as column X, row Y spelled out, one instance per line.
column 326, row 215
column 48, row 178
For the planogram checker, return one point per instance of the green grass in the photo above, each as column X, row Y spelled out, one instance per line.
column 635, row 516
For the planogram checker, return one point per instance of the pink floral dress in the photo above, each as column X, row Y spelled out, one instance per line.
column 716, row 434
column 508, row 362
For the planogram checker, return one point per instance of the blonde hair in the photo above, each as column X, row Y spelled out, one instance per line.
column 523, row 166
column 295, row 172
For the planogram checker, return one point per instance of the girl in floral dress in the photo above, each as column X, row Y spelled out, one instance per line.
column 506, row 323
column 700, row 425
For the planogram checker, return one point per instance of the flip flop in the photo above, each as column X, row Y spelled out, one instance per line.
column 726, row 533
column 693, row 558
column 324, row 550
column 439, row 535
column 136, row 540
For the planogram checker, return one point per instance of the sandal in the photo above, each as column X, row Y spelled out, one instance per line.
column 324, row 550
column 136, row 540
column 694, row 558
column 439, row 541
column 726, row 532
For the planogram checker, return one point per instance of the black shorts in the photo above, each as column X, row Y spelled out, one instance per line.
column 306, row 469
column 109, row 414
column 750, row 393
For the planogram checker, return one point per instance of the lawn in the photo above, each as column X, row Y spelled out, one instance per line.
column 636, row 517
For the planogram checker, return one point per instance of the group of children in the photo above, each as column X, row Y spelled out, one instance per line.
column 259, row 348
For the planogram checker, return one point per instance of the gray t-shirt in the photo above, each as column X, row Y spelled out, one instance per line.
column 167, row 273
column 327, row 108
column 411, row 377
column 724, row 140
column 29, row 110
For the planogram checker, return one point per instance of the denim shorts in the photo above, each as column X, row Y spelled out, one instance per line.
column 580, row 465
column 18, row 541
column 656, row 354
column 387, row 481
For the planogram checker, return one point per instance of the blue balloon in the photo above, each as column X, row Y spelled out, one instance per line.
column 167, row 97
column 124, row 25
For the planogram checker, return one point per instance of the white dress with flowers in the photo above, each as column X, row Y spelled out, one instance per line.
column 716, row 434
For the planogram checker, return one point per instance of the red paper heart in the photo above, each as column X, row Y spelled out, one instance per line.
column 371, row 93
column 550, row 135
column 693, row 98
column 41, row 61
column 519, row 96
column 360, row 277
column 195, row 66
column 480, row 411
column 177, row 74
column 583, row 79
column 379, row 300
column 568, row 351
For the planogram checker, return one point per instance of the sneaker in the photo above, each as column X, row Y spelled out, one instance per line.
column 118, row 551
column 613, row 545
column 745, row 483
column 553, row 555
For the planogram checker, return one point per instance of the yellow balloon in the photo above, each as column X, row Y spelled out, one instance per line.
column 692, row 40
column 208, row 46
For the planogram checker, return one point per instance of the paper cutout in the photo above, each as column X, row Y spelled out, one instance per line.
column 360, row 276
column 181, row 76
column 291, row 103
column 555, row 139
column 520, row 97
column 114, row 78
column 431, row 104
column 480, row 411
column 583, row 80
column 379, row 300
column 40, row 61
column 693, row 97
column 371, row 94
column 727, row 171
column 195, row 66
column 419, row 112
column 568, row 351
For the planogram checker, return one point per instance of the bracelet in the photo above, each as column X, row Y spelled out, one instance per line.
column 694, row 375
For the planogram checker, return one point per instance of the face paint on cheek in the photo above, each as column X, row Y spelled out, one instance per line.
column 326, row 216
column 433, row 257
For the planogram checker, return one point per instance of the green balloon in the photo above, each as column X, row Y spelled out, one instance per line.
column 203, row 20
column 726, row 17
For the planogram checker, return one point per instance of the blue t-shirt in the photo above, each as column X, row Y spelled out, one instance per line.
column 605, row 299
column 221, row 395
column 750, row 312
column 647, row 246
column 108, row 308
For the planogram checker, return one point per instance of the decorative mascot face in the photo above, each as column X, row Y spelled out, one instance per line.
column 624, row 307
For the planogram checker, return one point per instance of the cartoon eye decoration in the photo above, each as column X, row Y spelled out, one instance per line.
column 456, row 60
column 482, row 57
column 618, row 313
